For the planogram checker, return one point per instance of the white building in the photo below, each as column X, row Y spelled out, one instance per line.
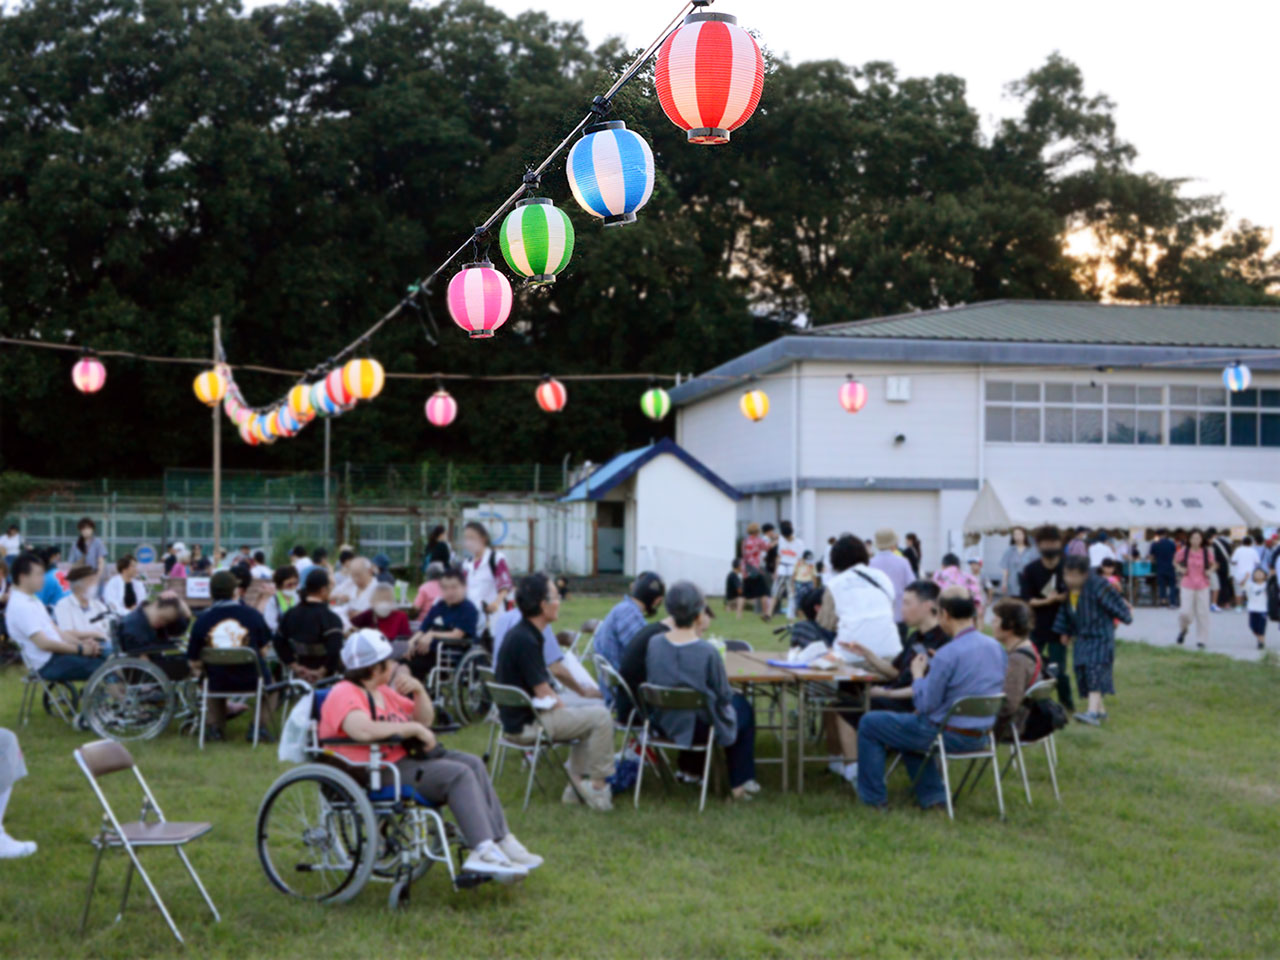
column 1026, row 394
column 673, row 515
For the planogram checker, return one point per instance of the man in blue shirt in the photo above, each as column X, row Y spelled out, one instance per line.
column 229, row 624
column 52, row 591
column 453, row 619
column 1162, row 551
column 628, row 618
column 971, row 665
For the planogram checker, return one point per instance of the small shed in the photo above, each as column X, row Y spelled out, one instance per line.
column 660, row 508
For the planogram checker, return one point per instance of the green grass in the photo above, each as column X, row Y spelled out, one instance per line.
column 1166, row 845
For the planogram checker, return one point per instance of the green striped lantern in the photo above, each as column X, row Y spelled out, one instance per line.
column 656, row 403
column 537, row 240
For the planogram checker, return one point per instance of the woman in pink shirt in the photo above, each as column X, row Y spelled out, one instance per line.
column 1193, row 563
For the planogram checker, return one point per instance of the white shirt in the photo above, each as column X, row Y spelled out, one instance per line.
column 482, row 586
column 302, row 565
column 1099, row 552
column 361, row 600
column 1257, row 594
column 10, row 545
column 864, row 609
column 113, row 594
column 23, row 617
column 789, row 554
column 260, row 571
column 69, row 615
column 1243, row 560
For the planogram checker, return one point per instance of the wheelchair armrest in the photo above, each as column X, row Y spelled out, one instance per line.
column 446, row 728
column 348, row 742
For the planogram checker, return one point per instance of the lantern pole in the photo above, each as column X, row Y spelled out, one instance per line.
column 217, row 443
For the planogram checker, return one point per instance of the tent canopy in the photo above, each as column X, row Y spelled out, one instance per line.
column 1258, row 502
column 1099, row 504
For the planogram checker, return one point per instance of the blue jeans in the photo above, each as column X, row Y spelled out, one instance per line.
column 912, row 735
column 741, row 754
column 70, row 666
column 1167, row 588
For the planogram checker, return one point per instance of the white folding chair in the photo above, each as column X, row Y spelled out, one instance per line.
column 103, row 757
column 975, row 708
column 612, row 680
column 657, row 697
column 1044, row 690
column 582, row 639
column 502, row 695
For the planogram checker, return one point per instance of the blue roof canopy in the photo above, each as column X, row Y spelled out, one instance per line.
column 626, row 465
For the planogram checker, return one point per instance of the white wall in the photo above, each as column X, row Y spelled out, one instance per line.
column 715, row 431
column 685, row 527
column 864, row 512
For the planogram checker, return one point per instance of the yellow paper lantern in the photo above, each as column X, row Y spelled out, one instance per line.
column 210, row 387
column 754, row 405
column 363, row 378
column 300, row 403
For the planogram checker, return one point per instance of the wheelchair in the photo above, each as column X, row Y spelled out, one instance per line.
column 330, row 825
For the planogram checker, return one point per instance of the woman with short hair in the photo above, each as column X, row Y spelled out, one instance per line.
column 124, row 591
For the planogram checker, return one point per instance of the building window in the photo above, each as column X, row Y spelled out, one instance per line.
column 1013, row 412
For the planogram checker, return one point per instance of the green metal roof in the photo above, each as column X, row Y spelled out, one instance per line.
column 1034, row 321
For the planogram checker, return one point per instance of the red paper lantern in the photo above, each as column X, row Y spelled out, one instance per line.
column 89, row 375
column 441, row 408
column 853, row 395
column 709, row 76
column 335, row 385
column 551, row 395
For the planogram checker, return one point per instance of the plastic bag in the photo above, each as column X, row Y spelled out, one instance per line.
column 296, row 733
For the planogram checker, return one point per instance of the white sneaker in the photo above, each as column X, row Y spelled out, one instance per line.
column 751, row 786
column 597, row 799
column 836, row 767
column 11, row 849
column 518, row 854
column 570, row 796
column 488, row 859
column 851, row 772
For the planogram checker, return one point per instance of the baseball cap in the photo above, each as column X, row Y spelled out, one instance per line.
column 365, row 648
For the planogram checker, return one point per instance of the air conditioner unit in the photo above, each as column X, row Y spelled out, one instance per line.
column 897, row 389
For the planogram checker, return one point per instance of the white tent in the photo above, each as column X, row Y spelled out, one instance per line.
column 1123, row 505
column 1258, row 503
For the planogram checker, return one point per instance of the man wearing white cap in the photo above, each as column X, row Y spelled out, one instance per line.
column 379, row 699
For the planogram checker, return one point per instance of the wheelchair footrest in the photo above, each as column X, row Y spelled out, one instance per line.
column 466, row 881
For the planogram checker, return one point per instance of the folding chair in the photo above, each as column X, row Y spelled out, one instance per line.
column 103, row 757
column 234, row 657
column 674, row 698
column 60, row 696
column 612, row 680
column 502, row 695
column 974, row 707
column 1043, row 690
column 582, row 640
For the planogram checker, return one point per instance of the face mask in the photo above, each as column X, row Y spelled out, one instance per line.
column 1051, row 554
column 290, row 594
column 383, row 609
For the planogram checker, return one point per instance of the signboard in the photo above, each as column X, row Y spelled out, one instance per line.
column 145, row 553
column 197, row 588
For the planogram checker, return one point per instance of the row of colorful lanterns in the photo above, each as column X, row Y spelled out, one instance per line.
column 709, row 77
column 755, row 402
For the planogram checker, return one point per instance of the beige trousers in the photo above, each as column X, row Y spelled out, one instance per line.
column 592, row 727
column 1195, row 610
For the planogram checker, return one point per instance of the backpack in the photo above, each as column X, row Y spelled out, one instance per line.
column 1043, row 718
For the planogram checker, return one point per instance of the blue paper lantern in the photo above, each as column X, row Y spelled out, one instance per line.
column 1236, row 377
column 611, row 172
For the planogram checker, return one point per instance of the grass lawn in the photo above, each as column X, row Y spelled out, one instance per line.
column 1167, row 844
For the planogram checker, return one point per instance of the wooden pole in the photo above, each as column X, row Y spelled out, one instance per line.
column 217, row 447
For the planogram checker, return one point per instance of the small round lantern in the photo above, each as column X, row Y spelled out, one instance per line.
column 441, row 408
column 656, row 403
column 321, row 402
column 363, row 378
column 551, row 395
column 89, row 375
column 611, row 172
column 286, row 424
column 336, row 388
column 709, row 76
column 210, row 387
column 299, row 401
column 853, row 395
column 1237, row 377
column 247, row 434
column 754, row 405
column 258, row 425
column 537, row 240
column 479, row 299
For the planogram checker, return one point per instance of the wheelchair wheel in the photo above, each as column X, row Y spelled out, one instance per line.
column 470, row 698
column 128, row 698
column 396, row 834
column 61, row 699
column 317, row 835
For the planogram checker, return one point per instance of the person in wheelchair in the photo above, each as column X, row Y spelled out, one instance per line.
column 384, row 616
column 52, row 653
column 309, row 641
column 228, row 624
column 378, row 699
column 81, row 611
column 452, row 619
column 152, row 629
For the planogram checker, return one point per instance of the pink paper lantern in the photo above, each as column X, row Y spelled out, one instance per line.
column 89, row 375
column 853, row 395
column 479, row 299
column 442, row 409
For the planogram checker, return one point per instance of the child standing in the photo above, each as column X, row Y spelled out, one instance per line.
column 806, row 577
column 1089, row 616
column 1256, row 598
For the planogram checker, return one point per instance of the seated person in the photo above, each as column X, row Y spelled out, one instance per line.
column 569, row 684
column 356, row 595
column 81, row 611
column 807, row 630
column 285, row 597
column 309, row 641
column 634, row 669
column 124, row 591
column 733, row 588
column 342, row 574
column 382, row 569
column 54, row 654
column 229, row 624
column 258, row 568
column 680, row 657
column 378, row 699
column 151, row 629
column 384, row 616
column 971, row 664
column 521, row 663
column 1011, row 624
column 452, row 619
column 429, row 592
column 54, row 587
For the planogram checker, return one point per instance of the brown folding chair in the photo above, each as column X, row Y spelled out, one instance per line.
column 103, row 757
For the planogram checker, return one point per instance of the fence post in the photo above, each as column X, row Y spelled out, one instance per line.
column 537, row 476
column 533, row 550
column 595, row 546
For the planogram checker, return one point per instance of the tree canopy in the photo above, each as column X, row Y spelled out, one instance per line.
column 293, row 169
